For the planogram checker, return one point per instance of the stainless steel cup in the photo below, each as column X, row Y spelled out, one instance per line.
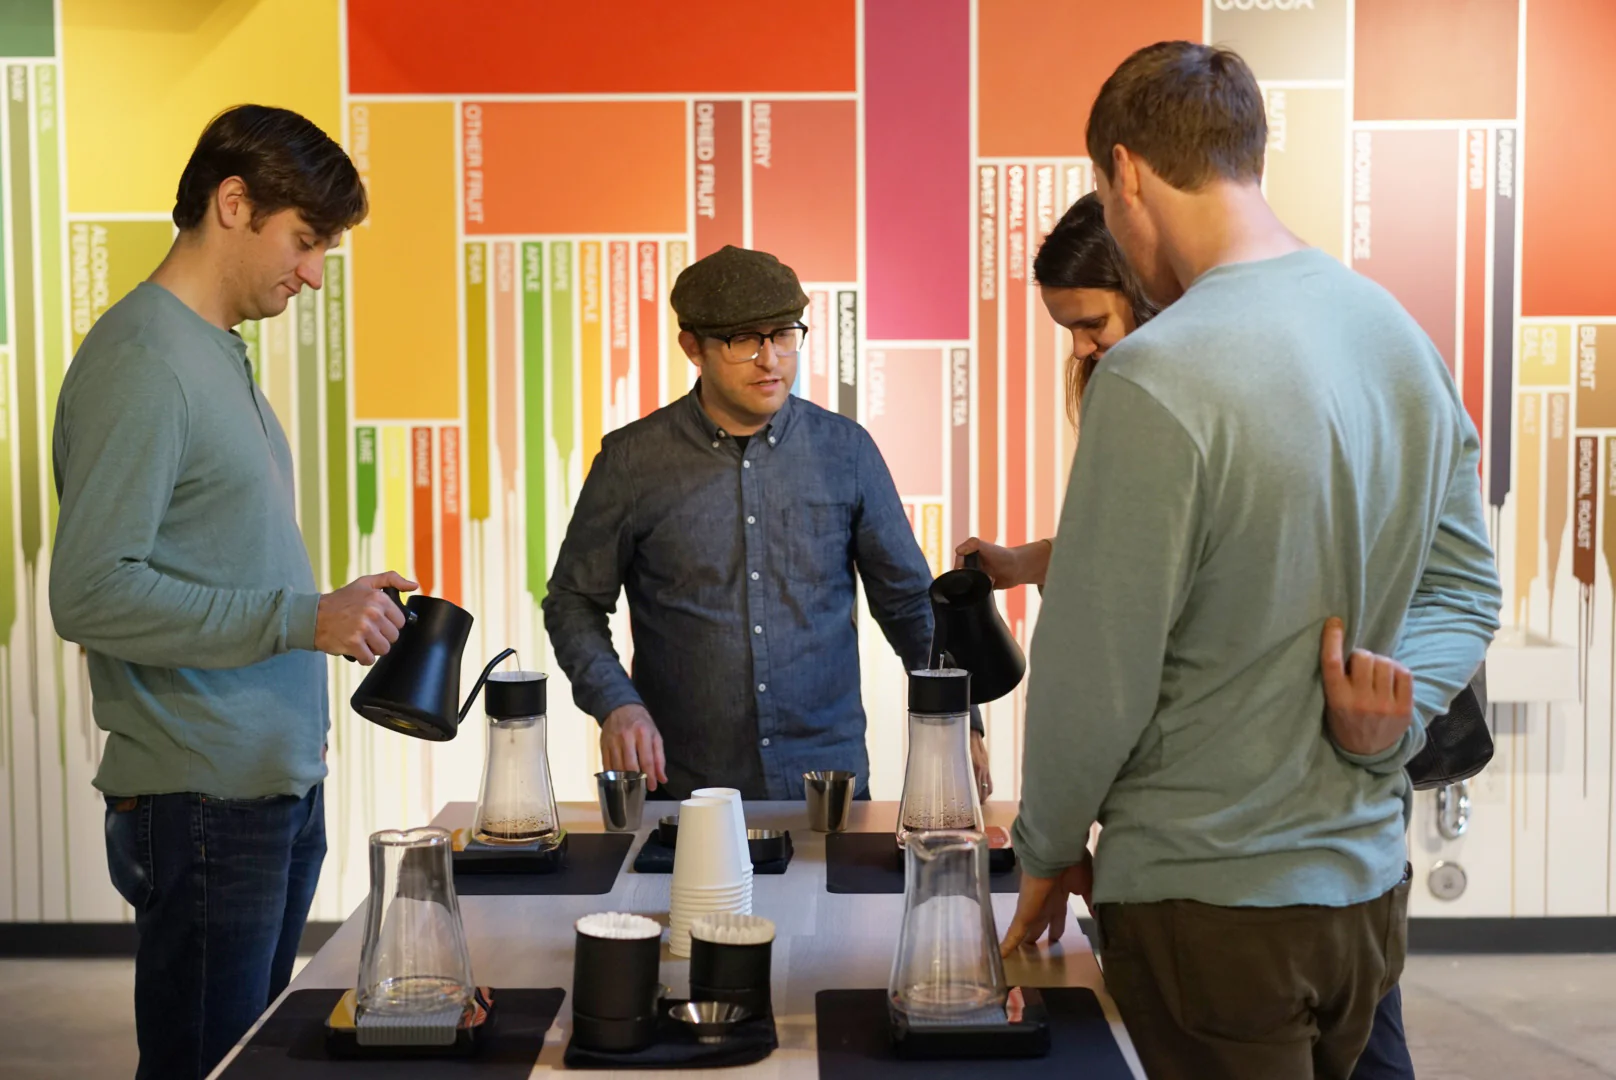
column 830, row 799
column 622, row 799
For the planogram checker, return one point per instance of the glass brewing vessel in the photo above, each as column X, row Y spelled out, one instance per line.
column 414, row 961
column 516, row 803
column 939, row 784
column 947, row 967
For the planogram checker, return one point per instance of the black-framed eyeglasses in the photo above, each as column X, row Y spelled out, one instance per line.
column 744, row 347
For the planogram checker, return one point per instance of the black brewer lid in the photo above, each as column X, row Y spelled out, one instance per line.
column 940, row 691
column 511, row 694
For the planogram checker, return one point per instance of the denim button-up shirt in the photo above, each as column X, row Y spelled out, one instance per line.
column 739, row 572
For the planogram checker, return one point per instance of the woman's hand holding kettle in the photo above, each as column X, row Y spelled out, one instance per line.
column 1008, row 566
column 359, row 620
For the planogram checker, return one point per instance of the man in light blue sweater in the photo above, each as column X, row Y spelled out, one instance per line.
column 178, row 565
column 1281, row 447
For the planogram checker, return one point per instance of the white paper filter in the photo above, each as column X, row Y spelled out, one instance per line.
column 619, row 925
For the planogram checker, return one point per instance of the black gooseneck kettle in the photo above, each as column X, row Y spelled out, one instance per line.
column 968, row 632
column 415, row 688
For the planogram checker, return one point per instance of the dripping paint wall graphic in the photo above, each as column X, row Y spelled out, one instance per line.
column 536, row 186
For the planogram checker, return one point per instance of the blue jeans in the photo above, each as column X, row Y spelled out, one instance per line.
column 221, row 889
column 1386, row 1056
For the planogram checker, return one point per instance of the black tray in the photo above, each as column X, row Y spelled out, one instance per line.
column 677, row 1048
column 867, row 863
column 655, row 857
column 593, row 861
column 855, row 1042
column 291, row 1043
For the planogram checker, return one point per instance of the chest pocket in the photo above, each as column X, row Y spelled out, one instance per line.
column 818, row 547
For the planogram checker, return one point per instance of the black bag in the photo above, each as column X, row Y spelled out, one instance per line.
column 1459, row 743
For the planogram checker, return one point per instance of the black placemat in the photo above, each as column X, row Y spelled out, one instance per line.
column 655, row 857
column 855, row 1042
column 291, row 1043
column 593, row 863
column 868, row 862
column 677, row 1048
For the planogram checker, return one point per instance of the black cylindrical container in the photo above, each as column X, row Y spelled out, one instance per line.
column 616, row 986
column 738, row 974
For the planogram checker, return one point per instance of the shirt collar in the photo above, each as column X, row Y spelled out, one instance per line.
column 775, row 431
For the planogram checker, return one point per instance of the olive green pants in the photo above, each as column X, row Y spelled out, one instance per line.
column 1220, row 993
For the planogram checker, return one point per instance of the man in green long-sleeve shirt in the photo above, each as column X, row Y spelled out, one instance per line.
column 1280, row 447
column 178, row 566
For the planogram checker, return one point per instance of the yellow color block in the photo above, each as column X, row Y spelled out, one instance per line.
column 406, row 355
column 141, row 80
column 1545, row 356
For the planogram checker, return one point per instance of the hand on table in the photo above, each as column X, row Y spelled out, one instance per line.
column 1368, row 699
column 630, row 742
column 1042, row 905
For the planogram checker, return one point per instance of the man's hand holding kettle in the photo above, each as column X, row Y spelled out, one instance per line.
column 360, row 620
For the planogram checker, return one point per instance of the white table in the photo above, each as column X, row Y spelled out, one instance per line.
column 823, row 940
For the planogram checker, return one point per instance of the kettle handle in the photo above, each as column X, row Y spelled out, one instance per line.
column 487, row 671
column 973, row 561
column 409, row 616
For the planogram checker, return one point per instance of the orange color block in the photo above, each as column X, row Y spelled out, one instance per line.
column 805, row 186
column 1435, row 60
column 572, row 168
column 406, row 355
column 1568, row 220
column 1022, row 45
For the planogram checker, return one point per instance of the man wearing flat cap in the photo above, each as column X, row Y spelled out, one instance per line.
column 734, row 519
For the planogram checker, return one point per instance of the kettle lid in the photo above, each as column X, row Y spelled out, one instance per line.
column 511, row 694
column 940, row 691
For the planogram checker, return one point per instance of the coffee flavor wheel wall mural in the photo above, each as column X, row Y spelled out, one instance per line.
column 538, row 177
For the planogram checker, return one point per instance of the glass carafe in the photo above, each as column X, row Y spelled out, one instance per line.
column 414, row 962
column 516, row 804
column 947, row 967
column 939, row 785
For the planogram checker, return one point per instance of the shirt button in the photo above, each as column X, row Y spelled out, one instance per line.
column 746, row 464
column 771, row 440
column 754, row 575
column 765, row 741
column 763, row 687
column 757, row 629
column 750, row 520
column 715, row 444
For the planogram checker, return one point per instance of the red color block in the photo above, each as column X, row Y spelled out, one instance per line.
column 629, row 46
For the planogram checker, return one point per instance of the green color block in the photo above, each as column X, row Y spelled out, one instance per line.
column 23, row 297
column 27, row 28
column 109, row 258
column 563, row 370
column 8, row 541
column 51, row 237
column 308, row 426
column 476, row 450
column 538, row 569
column 336, row 414
column 365, row 479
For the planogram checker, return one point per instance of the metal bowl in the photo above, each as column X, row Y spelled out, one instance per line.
column 668, row 830
column 709, row 1021
column 766, row 845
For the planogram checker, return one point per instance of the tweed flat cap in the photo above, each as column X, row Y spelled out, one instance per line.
column 736, row 288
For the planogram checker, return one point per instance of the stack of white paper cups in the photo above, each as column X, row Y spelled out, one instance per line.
column 712, row 870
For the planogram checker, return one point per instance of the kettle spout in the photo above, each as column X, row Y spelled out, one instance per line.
column 477, row 689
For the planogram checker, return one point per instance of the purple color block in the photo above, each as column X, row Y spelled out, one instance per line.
column 917, row 169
